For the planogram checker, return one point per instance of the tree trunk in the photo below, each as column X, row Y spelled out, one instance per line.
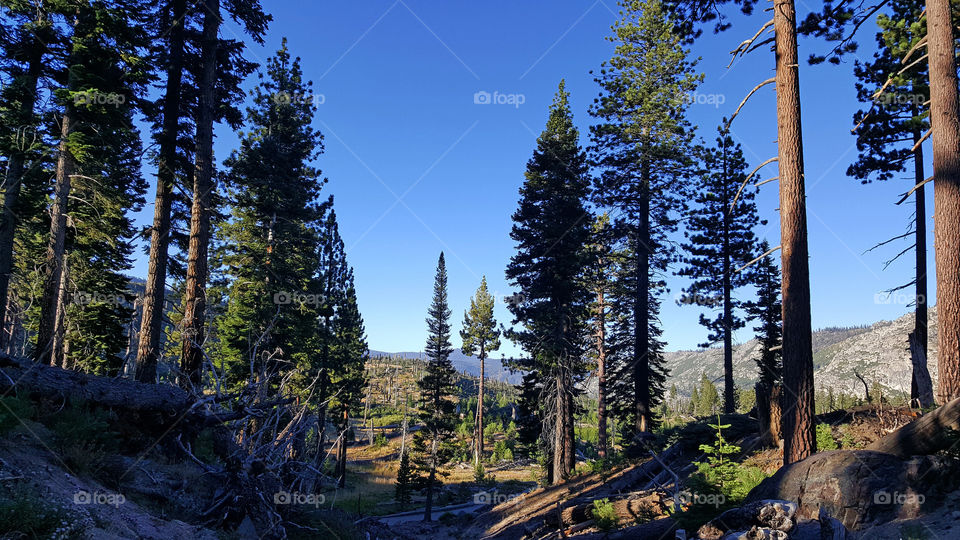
column 60, row 324
column 11, row 189
column 560, row 471
column 569, row 434
column 776, row 414
column 920, row 210
column 431, row 478
column 56, row 244
column 729, row 393
column 798, row 418
column 478, row 438
column 342, row 453
column 601, row 372
column 945, row 123
column 195, row 301
column 151, row 323
column 641, row 310
column 921, row 376
column 763, row 392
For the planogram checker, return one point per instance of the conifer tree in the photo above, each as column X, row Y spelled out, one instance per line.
column 269, row 241
column 599, row 276
column 480, row 337
column 23, row 49
column 641, row 144
column 349, row 378
column 766, row 311
column 437, row 389
column 84, row 306
column 889, row 134
column 405, row 482
column 193, row 324
column 551, row 228
column 720, row 240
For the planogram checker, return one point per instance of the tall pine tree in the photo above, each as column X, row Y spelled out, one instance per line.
column 437, row 389
column 480, row 337
column 641, row 145
column 720, row 240
column 551, row 228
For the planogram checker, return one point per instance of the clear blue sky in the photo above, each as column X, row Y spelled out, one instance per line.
column 417, row 167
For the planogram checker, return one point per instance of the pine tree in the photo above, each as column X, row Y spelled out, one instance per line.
column 480, row 337
column 405, row 482
column 720, row 241
column 551, row 227
column 599, row 277
column 22, row 47
column 641, row 145
column 269, row 251
column 349, row 378
column 437, row 389
column 84, row 305
column 889, row 137
column 766, row 311
column 194, row 297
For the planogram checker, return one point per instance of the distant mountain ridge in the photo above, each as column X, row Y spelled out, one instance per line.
column 878, row 352
column 493, row 367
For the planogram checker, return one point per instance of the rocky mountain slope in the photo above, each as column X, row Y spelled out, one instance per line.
column 878, row 352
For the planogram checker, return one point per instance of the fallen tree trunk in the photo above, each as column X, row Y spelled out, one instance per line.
column 924, row 436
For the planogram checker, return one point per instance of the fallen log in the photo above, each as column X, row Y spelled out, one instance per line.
column 925, row 436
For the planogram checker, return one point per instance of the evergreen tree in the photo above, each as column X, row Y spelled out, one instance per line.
column 889, row 134
column 641, row 145
column 766, row 311
column 437, row 389
column 720, row 240
column 599, row 277
column 268, row 252
column 84, row 306
column 23, row 37
column 480, row 337
column 708, row 399
column 551, row 227
column 349, row 378
column 211, row 69
column 405, row 482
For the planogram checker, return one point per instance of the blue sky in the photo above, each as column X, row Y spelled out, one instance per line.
column 417, row 166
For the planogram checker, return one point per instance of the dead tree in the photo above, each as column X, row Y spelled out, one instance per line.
column 921, row 375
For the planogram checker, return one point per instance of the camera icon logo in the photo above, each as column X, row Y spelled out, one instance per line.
column 281, row 497
column 882, row 497
column 482, row 98
column 282, row 298
column 482, row 498
column 81, row 497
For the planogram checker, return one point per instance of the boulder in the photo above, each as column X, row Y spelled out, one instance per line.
column 757, row 520
column 861, row 488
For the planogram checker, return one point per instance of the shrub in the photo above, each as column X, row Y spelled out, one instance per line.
column 84, row 437
column 25, row 513
column 502, row 452
column 825, row 440
column 12, row 411
column 604, row 514
column 380, row 440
